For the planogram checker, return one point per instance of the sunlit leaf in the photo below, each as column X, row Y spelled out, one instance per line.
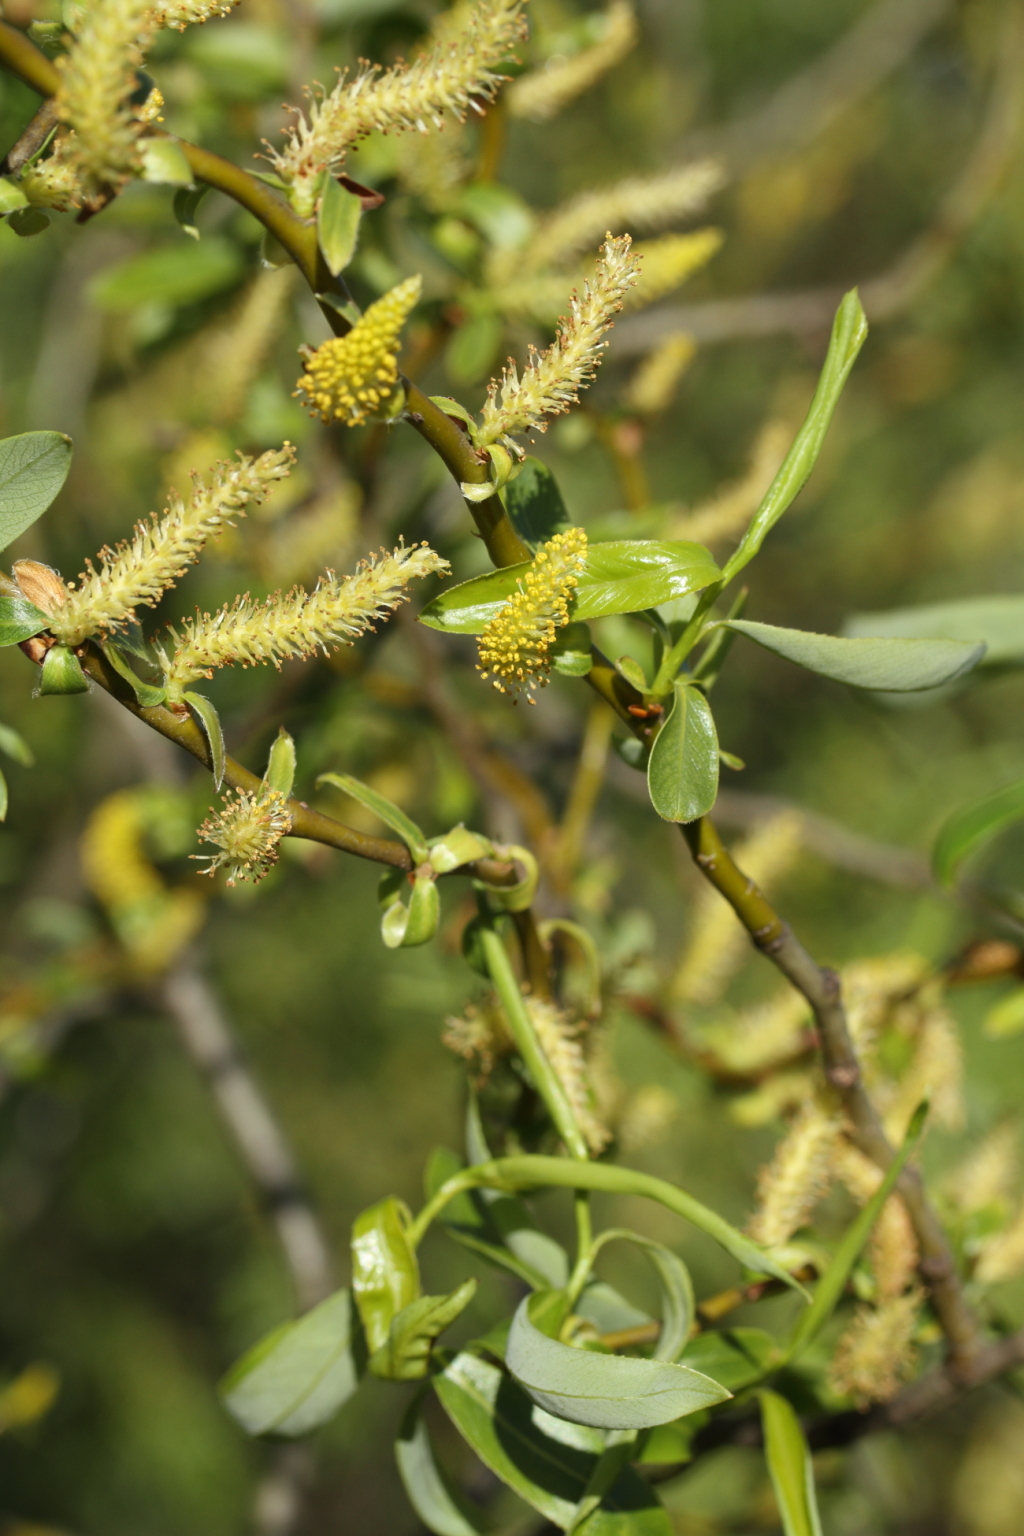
column 405, row 1355
column 209, row 722
column 682, row 771
column 789, row 1463
column 33, row 468
column 429, row 1491
column 298, row 1376
column 280, row 774
column 390, row 814
column 19, row 619
column 385, row 1274
column 337, row 224
column 998, row 621
column 887, row 666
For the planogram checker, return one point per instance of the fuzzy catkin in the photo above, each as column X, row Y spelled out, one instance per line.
column 298, row 623
column 666, row 263
column 460, row 70
column 876, row 1353
column 247, row 830
column 561, row 1041
column 179, row 14
column 892, row 1248
column 515, row 647
column 789, row 1187
column 543, row 92
column 139, row 572
column 354, row 376
column 552, row 379
column 97, row 79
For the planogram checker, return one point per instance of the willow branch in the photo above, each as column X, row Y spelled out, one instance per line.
column 820, row 986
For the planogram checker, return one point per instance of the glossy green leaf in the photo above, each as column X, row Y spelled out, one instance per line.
column 849, row 331
column 832, row 1284
column 404, row 927
column 406, row 1354
column 19, row 619
column 11, row 196
column 736, row 1357
column 621, row 576
column 546, row 1461
column 299, row 1375
column 535, row 505
column 997, row 621
column 209, row 722
column 457, row 847
column 385, row 1274
column 789, row 1463
column 676, row 1287
column 186, row 208
column 682, row 770
column 61, row 673
column 429, row 1491
column 969, row 828
column 386, row 811
column 337, row 224
column 572, row 653
column 169, row 274
column 604, row 1391
column 164, row 161
column 885, row 665
column 14, row 746
column 33, row 468
column 280, row 774
column 145, row 693
column 1006, row 1017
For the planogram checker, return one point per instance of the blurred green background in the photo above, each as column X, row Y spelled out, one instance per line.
column 138, row 1258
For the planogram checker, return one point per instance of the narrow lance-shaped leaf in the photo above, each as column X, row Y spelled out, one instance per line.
column 299, row 1375
column 429, row 1491
column 676, row 1289
column 969, row 828
column 280, row 774
column 997, row 620
column 886, row 666
column 849, row 331
column 14, row 746
column 604, row 1391
column 406, row 1354
column 337, row 224
column 33, row 468
column 209, row 722
column 390, row 814
column 832, row 1284
column 682, row 771
column 789, row 1463
column 3, row 798
column 145, row 693
column 509, row 1217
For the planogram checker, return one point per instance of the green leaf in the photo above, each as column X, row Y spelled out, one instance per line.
column 14, row 746
column 145, row 694
column 459, row 846
column 170, row 274
column 548, row 1463
column 620, row 576
column 507, row 1219
column 209, row 723
column 186, row 207
column 534, row 504
column 406, row 1354
column 849, row 331
column 404, row 927
column 19, row 619
column 385, row 810
column 572, row 652
column 789, row 1462
column 385, row 1274
column 998, row 621
column 832, row 1284
column 429, row 1490
column 473, row 349
column 337, row 224
column 736, row 1357
column 682, row 771
column 299, row 1375
column 969, row 828
column 604, row 1391
column 33, row 468
column 280, row 774
column 676, row 1290
column 61, row 673
column 11, row 196
column 888, row 666
column 27, row 222
column 164, row 160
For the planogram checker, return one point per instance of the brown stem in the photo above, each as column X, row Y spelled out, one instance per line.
column 820, row 986
column 32, row 139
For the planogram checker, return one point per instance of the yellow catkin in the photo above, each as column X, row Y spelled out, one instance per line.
column 718, row 943
column 56, row 181
column 29, row 1396
column 667, row 263
column 459, row 72
column 892, row 1248
column 876, row 1353
column 236, row 352
column 871, row 989
column 780, row 1094
column 562, row 1044
column 790, row 1186
column 652, row 388
column 763, row 1035
column 480, row 1036
column 1001, row 1256
column 247, row 830
column 350, row 378
column 97, row 78
column 515, row 647
column 298, row 623
column 543, row 93
column 935, row 1073
column 986, row 1178
column 638, row 203
column 728, row 512
column 140, row 572
column 179, row 14
column 552, row 379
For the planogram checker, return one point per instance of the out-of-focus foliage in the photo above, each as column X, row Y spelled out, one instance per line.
column 138, row 1261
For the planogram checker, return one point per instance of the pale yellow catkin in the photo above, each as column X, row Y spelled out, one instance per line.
column 1001, row 1256
column 653, row 386
column 247, row 829
column 561, row 1041
column 790, row 1186
column 339, row 609
column 780, row 1094
column 892, row 1248
column 237, row 350
column 987, row 1176
column 763, row 1035
column 139, row 572
column 871, row 989
column 551, row 380
column 876, row 1353
column 666, row 263
column 461, row 70
column 179, row 14
column 935, row 1073
column 717, row 943
column 480, row 1036
column 312, row 539
column 97, row 78
column 544, row 92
